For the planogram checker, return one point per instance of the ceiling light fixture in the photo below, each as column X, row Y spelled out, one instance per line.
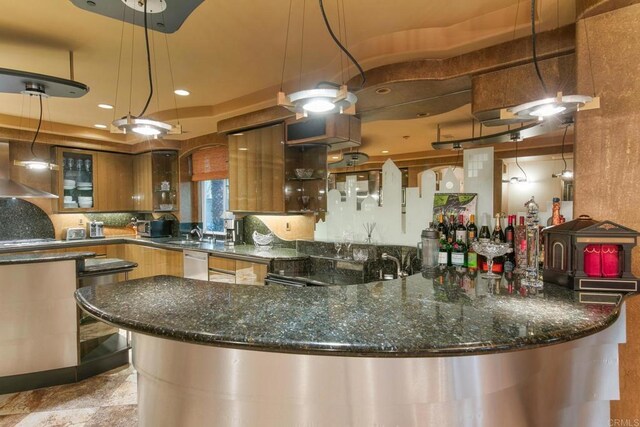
column 106, row 106
column 182, row 92
column 548, row 106
column 140, row 124
column 566, row 174
column 516, row 179
column 385, row 151
column 326, row 97
column 100, row 126
column 36, row 163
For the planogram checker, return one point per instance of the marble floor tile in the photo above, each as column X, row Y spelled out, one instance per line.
column 115, row 416
column 11, row 420
column 125, row 394
column 24, row 402
column 66, row 418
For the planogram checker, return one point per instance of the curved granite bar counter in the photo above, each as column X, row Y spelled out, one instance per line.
column 419, row 351
column 415, row 317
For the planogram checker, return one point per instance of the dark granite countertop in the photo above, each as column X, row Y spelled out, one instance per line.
column 449, row 315
column 27, row 257
column 243, row 252
column 99, row 266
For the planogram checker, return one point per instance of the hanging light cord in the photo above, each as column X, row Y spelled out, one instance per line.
column 146, row 40
column 335, row 39
column 566, row 128
column 533, row 46
column 33, row 142
column 518, row 164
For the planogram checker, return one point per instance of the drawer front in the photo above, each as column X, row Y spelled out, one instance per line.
column 222, row 264
column 217, row 276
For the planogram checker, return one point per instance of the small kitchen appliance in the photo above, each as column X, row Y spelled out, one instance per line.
column 96, row 229
column 154, row 228
column 75, row 233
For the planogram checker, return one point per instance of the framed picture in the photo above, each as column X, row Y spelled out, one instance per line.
column 455, row 204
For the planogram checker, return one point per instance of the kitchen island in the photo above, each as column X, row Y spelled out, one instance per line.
column 40, row 341
column 413, row 351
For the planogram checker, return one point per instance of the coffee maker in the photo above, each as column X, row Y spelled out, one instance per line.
column 233, row 231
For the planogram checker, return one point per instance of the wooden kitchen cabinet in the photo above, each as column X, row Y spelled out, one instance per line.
column 155, row 181
column 153, row 261
column 114, row 182
column 228, row 270
column 92, row 181
column 256, row 170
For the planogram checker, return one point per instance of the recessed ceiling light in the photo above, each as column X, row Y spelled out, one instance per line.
column 106, row 106
column 243, row 149
column 383, row 90
column 335, row 157
column 99, row 126
column 237, row 134
column 385, row 151
column 182, row 92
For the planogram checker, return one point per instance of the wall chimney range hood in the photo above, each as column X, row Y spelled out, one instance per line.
column 12, row 189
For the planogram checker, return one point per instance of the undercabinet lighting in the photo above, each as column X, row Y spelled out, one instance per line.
column 99, row 126
column 243, row 149
column 106, row 106
column 237, row 134
column 182, row 92
column 335, row 157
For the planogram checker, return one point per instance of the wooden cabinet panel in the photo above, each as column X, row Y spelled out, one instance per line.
column 153, row 261
column 256, row 170
column 142, row 187
column 222, row 264
column 114, row 182
column 250, row 273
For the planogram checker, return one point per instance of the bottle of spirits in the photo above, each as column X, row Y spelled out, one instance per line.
column 520, row 243
column 461, row 230
column 451, row 236
column 444, row 254
column 484, row 237
column 459, row 252
column 472, row 236
column 442, row 227
column 498, row 237
column 509, row 234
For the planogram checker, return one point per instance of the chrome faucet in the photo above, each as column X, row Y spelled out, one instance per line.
column 401, row 273
column 196, row 231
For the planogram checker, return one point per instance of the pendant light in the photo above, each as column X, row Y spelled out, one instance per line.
column 549, row 106
column 140, row 124
column 566, row 174
column 36, row 163
column 326, row 97
column 518, row 179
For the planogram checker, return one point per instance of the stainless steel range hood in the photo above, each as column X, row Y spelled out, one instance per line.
column 10, row 188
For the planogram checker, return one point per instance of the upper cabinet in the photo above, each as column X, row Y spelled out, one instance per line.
column 96, row 181
column 92, row 181
column 256, row 170
column 155, row 181
column 306, row 178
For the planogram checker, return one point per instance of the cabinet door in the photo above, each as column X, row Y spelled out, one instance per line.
column 142, row 186
column 256, row 170
column 114, row 184
column 153, row 261
column 250, row 273
column 75, row 180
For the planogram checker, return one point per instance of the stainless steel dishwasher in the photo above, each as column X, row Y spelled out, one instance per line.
column 196, row 265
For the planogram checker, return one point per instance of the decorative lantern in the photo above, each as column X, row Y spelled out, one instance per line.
column 589, row 255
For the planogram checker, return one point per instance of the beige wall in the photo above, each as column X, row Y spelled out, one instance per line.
column 607, row 153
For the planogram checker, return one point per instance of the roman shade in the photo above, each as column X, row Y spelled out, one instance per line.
column 210, row 163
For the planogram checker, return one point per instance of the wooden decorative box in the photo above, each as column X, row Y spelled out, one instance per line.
column 590, row 255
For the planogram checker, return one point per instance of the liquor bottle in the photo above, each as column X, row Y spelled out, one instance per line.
column 509, row 234
column 472, row 236
column 484, row 237
column 444, row 254
column 520, row 243
column 461, row 230
column 498, row 237
column 442, row 227
column 459, row 252
column 451, row 236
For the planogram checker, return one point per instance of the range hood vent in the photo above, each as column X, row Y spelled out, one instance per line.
column 9, row 188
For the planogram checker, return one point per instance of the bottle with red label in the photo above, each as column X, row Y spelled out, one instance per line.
column 509, row 235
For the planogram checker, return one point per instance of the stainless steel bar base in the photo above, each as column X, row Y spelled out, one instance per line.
column 569, row 384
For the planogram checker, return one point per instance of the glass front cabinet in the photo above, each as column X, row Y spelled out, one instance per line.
column 76, row 178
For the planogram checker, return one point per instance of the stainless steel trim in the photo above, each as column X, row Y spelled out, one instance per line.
column 10, row 188
column 567, row 384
